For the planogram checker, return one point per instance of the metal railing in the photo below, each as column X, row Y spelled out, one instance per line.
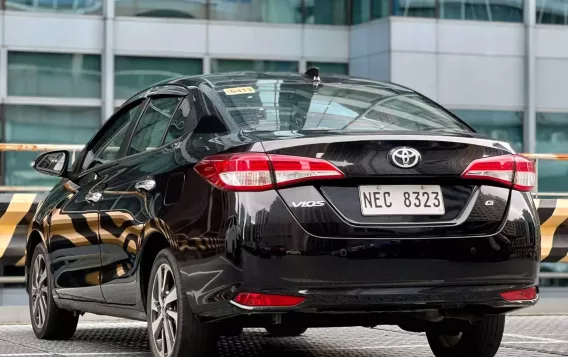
column 74, row 149
column 544, row 157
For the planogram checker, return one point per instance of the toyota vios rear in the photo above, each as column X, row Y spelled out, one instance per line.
column 211, row 203
column 433, row 233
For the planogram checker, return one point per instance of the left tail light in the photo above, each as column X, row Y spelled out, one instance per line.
column 514, row 171
column 259, row 171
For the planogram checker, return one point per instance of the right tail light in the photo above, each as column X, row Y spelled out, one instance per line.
column 514, row 171
column 526, row 294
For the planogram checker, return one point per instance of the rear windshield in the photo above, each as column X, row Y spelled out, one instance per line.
column 272, row 105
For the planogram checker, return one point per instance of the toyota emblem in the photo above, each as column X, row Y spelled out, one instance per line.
column 404, row 157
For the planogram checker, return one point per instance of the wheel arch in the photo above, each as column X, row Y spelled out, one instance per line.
column 35, row 237
column 153, row 243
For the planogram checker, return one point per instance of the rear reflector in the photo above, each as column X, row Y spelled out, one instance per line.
column 264, row 300
column 520, row 295
column 514, row 171
column 259, row 171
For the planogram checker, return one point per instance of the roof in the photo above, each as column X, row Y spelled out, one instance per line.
column 230, row 79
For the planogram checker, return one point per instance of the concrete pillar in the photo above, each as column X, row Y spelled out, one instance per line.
column 529, row 128
column 107, row 61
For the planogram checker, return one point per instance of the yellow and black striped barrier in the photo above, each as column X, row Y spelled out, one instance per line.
column 553, row 215
column 17, row 210
column 16, row 213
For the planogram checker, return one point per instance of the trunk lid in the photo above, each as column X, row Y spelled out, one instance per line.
column 377, row 198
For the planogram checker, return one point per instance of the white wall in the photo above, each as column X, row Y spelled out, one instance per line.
column 551, row 68
column 175, row 38
column 461, row 64
column 31, row 31
column 369, row 50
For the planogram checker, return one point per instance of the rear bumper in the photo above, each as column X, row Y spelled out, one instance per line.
column 366, row 307
column 335, row 283
column 273, row 254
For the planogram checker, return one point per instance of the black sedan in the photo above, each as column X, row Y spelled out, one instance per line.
column 213, row 203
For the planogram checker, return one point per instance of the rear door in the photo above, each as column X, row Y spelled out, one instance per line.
column 133, row 193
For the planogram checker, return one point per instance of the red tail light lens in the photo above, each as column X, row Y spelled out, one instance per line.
column 520, row 295
column 512, row 170
column 264, row 300
column 237, row 172
column 525, row 175
column 292, row 169
column 259, row 171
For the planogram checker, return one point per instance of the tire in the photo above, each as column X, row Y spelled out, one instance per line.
column 49, row 322
column 189, row 336
column 285, row 331
column 481, row 340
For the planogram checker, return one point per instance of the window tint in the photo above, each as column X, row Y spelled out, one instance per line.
column 108, row 146
column 183, row 117
column 288, row 107
column 152, row 125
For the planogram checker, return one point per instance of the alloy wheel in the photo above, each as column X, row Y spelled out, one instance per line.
column 164, row 314
column 39, row 291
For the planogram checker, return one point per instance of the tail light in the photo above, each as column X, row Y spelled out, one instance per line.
column 259, row 171
column 520, row 295
column 512, row 170
column 265, row 300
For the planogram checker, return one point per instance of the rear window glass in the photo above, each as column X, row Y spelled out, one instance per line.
column 272, row 105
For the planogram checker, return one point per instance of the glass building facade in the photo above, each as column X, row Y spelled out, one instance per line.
column 323, row 12
column 49, row 92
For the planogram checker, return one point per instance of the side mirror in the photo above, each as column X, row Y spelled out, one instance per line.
column 53, row 163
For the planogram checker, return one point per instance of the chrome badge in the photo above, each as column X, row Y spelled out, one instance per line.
column 404, row 157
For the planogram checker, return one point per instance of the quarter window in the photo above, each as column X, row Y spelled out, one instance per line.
column 184, row 120
column 150, row 129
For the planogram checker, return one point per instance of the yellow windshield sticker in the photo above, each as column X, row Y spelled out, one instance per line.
column 238, row 90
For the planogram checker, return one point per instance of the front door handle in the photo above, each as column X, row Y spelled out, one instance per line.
column 145, row 185
column 93, row 197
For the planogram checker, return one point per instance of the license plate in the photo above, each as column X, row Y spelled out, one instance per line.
column 401, row 200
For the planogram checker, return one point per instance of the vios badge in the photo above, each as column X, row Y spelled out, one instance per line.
column 404, row 157
column 308, row 204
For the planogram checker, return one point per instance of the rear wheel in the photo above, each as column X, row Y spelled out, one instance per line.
column 49, row 322
column 285, row 331
column 481, row 340
column 173, row 329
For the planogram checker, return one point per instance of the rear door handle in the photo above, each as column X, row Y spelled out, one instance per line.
column 145, row 185
column 93, row 197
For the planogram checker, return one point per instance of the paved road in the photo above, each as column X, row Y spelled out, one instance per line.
column 534, row 336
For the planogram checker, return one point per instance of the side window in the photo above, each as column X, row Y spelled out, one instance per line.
column 183, row 121
column 108, row 146
column 153, row 124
